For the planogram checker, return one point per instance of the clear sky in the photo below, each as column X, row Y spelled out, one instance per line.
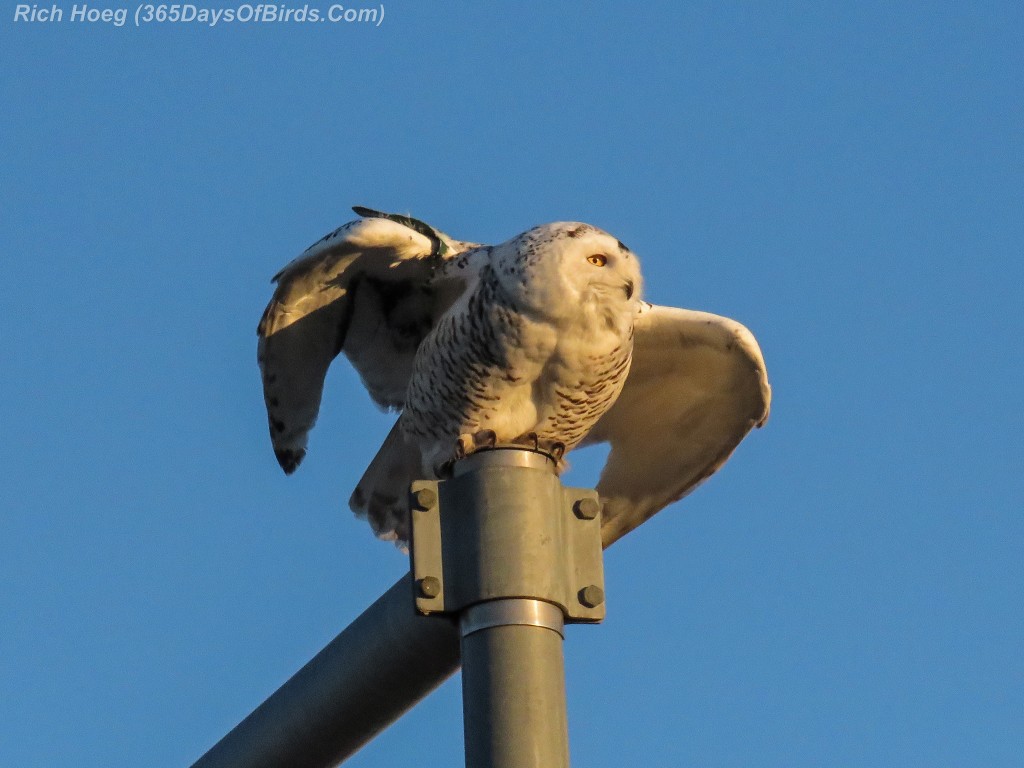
column 843, row 178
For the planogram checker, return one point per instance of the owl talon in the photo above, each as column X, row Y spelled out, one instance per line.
column 463, row 446
column 485, row 438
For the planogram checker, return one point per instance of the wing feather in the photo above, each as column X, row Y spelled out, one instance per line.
column 366, row 289
column 696, row 387
column 375, row 287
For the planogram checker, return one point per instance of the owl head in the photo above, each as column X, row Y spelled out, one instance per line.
column 559, row 268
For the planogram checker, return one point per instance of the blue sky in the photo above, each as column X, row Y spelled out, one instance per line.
column 846, row 181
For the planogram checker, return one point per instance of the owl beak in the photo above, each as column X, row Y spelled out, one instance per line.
column 628, row 288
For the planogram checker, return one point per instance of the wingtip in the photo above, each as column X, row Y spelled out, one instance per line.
column 289, row 459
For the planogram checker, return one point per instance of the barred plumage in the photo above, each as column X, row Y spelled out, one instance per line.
column 541, row 341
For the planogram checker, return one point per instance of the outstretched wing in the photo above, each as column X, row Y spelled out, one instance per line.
column 696, row 386
column 365, row 289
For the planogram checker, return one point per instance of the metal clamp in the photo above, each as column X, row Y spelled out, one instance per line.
column 501, row 527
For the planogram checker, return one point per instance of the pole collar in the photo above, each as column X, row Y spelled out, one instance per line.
column 512, row 612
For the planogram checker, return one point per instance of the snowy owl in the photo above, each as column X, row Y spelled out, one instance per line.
column 542, row 341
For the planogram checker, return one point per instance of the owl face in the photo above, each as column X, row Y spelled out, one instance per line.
column 557, row 267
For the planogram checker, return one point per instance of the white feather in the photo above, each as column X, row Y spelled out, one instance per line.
column 529, row 340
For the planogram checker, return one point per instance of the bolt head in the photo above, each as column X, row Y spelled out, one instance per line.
column 430, row 586
column 425, row 498
column 587, row 508
column 591, row 596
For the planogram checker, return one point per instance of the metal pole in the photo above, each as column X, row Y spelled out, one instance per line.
column 514, row 554
column 513, row 685
column 513, row 557
column 366, row 678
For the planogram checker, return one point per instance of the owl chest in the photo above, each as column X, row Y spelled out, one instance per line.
column 504, row 371
column 477, row 360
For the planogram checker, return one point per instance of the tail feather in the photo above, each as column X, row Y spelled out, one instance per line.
column 382, row 495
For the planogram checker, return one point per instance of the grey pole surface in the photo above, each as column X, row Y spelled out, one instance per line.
column 513, row 686
column 514, row 554
column 366, row 678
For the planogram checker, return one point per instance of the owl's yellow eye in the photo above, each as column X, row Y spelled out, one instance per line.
column 598, row 259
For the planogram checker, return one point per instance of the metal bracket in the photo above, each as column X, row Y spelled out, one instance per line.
column 543, row 540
